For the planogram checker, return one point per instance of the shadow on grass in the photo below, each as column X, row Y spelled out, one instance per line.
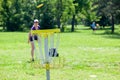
column 86, row 28
column 114, row 36
column 108, row 34
column 1, row 30
column 72, row 32
column 89, row 28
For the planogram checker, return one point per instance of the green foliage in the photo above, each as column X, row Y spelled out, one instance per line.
column 88, row 13
column 47, row 19
column 108, row 9
column 18, row 15
column 68, row 11
column 13, row 15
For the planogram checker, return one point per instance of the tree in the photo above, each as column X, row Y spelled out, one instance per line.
column 5, row 13
column 63, row 10
column 17, row 14
column 29, row 12
column 79, row 6
column 47, row 19
column 108, row 8
column 59, row 11
column 88, row 14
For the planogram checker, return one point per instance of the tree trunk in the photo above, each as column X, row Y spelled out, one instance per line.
column 73, row 23
column 59, row 12
column 58, row 22
column 3, row 27
column 62, row 28
column 112, row 28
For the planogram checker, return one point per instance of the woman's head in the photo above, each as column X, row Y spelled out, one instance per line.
column 36, row 22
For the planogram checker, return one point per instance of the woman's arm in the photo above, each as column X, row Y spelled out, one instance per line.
column 29, row 34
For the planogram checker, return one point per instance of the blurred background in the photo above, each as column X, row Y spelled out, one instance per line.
column 18, row 15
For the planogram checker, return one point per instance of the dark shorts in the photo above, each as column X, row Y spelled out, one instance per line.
column 93, row 28
column 31, row 38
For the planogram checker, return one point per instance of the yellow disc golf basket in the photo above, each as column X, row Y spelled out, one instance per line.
column 48, row 42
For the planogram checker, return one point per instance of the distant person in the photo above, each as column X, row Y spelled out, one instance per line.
column 97, row 26
column 31, row 38
column 93, row 26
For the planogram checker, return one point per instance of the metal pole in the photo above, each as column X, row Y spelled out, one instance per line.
column 47, row 58
column 47, row 74
column 51, row 44
column 40, row 49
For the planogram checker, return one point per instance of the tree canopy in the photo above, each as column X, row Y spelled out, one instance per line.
column 18, row 15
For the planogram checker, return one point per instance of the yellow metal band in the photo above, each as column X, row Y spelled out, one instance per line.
column 48, row 31
column 47, row 66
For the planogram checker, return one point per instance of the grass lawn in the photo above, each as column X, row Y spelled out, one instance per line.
column 88, row 56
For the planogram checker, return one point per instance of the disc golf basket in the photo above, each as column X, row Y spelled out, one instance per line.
column 48, row 42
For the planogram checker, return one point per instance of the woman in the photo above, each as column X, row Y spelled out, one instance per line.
column 31, row 38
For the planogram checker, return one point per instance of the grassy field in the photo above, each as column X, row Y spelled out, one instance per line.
column 88, row 56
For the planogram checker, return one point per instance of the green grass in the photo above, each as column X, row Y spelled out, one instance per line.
column 88, row 56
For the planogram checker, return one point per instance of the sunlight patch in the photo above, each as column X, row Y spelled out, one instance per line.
column 93, row 76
